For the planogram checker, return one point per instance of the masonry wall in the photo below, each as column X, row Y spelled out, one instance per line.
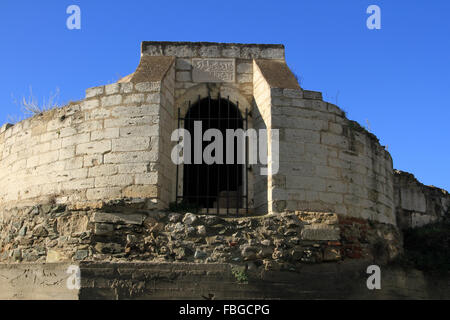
column 167, row 123
column 262, row 120
column 116, row 144
column 417, row 205
column 240, row 92
column 104, row 147
column 327, row 163
column 158, row 281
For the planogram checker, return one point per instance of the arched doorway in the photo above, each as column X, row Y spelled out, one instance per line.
column 214, row 186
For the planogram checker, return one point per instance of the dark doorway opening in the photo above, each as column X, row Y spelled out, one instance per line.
column 214, row 185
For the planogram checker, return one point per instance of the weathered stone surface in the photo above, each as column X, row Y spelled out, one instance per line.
column 55, row 256
column 103, row 229
column 200, row 254
column 114, row 147
column 213, row 70
column 416, row 204
column 190, row 281
column 331, row 255
column 81, row 254
column 118, row 218
column 201, row 230
column 320, row 232
column 189, row 219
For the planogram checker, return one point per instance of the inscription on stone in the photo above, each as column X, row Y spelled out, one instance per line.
column 213, row 70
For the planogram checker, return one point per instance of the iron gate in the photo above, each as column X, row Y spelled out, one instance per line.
column 216, row 188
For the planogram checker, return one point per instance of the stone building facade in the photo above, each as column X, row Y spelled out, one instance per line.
column 116, row 143
column 91, row 180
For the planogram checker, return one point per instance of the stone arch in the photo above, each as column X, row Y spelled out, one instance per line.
column 217, row 184
column 237, row 98
column 203, row 89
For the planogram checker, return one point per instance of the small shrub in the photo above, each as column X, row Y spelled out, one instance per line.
column 30, row 106
column 240, row 275
column 428, row 248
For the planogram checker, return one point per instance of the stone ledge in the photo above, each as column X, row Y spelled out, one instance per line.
column 213, row 50
column 149, row 281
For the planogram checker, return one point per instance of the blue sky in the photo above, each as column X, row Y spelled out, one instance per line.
column 396, row 78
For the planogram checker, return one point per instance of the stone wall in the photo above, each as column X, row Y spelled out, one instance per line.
column 167, row 122
column 416, row 204
column 117, row 232
column 171, row 281
column 189, row 87
column 90, row 181
column 104, row 147
column 35, row 282
column 262, row 120
column 327, row 162
column 116, row 144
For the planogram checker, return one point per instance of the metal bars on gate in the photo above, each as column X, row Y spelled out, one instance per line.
column 235, row 176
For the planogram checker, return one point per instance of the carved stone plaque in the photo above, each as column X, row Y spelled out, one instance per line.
column 213, row 70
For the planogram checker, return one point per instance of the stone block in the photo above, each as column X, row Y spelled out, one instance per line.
column 179, row 51
column 130, row 144
column 108, row 133
column 134, row 99
column 184, row 64
column 126, row 87
column 331, row 255
column 131, row 157
column 103, row 193
column 111, row 100
column 55, row 256
column 78, row 184
column 103, row 229
column 113, row 181
column 148, row 191
column 209, row 51
column 272, row 53
column 413, row 200
column 90, row 104
column 112, row 88
column 101, row 147
column 148, row 87
column 103, row 170
column 320, row 233
column 140, row 131
column 302, row 135
column 118, row 218
column 75, row 139
column 231, row 52
column 245, row 67
column 146, row 178
column 96, row 91
column 92, row 160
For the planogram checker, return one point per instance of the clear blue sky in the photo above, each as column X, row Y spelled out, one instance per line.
column 397, row 78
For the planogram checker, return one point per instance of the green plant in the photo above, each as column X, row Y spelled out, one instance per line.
column 428, row 248
column 240, row 275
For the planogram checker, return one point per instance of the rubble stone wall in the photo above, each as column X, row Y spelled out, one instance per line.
column 116, row 233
